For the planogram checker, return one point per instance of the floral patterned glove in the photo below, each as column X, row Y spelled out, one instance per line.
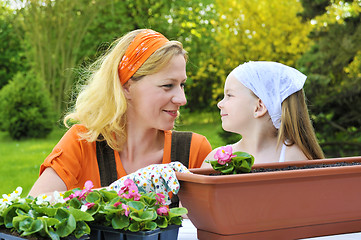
column 158, row 178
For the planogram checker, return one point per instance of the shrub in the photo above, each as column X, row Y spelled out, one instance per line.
column 25, row 107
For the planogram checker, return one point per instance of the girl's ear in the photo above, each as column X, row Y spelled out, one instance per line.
column 260, row 109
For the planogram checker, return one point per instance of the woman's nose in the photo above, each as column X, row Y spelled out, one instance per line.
column 180, row 98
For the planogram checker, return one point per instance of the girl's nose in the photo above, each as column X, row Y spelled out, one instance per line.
column 220, row 104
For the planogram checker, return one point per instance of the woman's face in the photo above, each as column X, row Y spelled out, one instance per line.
column 237, row 106
column 154, row 100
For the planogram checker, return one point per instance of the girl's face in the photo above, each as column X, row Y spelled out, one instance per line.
column 154, row 100
column 237, row 106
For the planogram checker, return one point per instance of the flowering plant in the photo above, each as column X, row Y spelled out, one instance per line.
column 228, row 162
column 70, row 213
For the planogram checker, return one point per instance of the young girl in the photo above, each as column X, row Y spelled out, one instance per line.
column 265, row 103
column 126, row 113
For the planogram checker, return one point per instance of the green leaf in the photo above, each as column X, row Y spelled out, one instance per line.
column 9, row 214
column 67, row 223
column 34, row 227
column 50, row 221
column 179, row 211
column 134, row 227
column 81, row 229
column 93, row 197
column 150, row 201
column 162, row 221
column 108, row 195
column 136, row 205
column 46, row 210
column 120, row 221
column 147, row 215
column 176, row 220
column 22, row 222
column 75, row 203
column 80, row 215
column 150, row 226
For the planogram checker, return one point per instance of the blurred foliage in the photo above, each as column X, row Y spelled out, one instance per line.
column 25, row 107
column 255, row 30
column 333, row 67
column 10, row 48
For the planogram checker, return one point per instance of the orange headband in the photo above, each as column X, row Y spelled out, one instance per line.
column 143, row 45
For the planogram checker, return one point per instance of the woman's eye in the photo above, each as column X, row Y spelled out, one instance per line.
column 167, row 85
column 183, row 85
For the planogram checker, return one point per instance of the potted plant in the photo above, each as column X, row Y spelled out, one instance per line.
column 28, row 217
column 289, row 200
column 96, row 214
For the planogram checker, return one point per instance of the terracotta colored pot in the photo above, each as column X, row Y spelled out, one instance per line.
column 278, row 205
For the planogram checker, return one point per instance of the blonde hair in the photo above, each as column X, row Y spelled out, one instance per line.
column 101, row 105
column 296, row 127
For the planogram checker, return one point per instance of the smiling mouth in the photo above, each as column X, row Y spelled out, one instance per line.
column 172, row 113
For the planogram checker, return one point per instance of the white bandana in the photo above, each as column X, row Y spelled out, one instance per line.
column 272, row 82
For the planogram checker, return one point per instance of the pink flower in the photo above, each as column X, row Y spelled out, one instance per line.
column 89, row 204
column 132, row 193
column 81, row 195
column 163, row 211
column 128, row 184
column 86, row 206
column 224, row 155
column 126, row 208
column 88, row 185
column 160, row 198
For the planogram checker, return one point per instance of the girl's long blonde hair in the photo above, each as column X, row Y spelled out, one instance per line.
column 101, row 105
column 296, row 127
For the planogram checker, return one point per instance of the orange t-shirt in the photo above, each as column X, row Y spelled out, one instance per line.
column 75, row 160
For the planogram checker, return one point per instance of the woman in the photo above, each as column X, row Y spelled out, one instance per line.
column 265, row 103
column 128, row 106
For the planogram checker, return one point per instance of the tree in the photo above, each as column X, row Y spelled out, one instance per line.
column 10, row 47
column 333, row 68
column 255, row 30
column 54, row 31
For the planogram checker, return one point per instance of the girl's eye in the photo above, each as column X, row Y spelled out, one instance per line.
column 183, row 85
column 167, row 85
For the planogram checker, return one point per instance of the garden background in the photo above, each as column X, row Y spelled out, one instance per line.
column 46, row 44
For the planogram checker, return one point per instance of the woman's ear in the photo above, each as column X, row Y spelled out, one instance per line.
column 126, row 90
column 260, row 109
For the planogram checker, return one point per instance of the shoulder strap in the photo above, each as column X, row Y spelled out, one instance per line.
column 180, row 147
column 106, row 163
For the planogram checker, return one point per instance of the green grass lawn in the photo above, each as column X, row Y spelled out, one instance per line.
column 20, row 160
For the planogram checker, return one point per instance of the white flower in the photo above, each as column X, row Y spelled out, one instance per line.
column 6, row 200
column 17, row 192
column 58, row 197
column 84, row 208
column 43, row 199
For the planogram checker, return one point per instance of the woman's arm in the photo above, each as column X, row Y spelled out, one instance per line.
column 48, row 182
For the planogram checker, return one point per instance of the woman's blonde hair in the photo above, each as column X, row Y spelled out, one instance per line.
column 296, row 127
column 101, row 104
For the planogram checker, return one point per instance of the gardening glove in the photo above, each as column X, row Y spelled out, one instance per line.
column 158, row 178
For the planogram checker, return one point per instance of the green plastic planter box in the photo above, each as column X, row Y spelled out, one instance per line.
column 108, row 233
